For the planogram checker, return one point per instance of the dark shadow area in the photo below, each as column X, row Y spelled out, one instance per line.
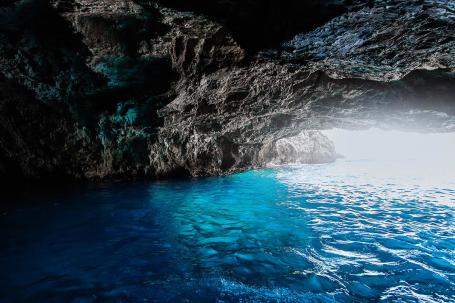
column 258, row 24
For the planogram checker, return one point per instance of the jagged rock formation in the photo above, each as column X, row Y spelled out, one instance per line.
column 102, row 89
column 382, row 43
column 307, row 147
column 258, row 24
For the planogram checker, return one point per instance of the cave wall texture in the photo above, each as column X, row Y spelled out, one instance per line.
column 94, row 89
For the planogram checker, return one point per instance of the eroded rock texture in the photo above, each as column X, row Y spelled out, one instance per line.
column 129, row 89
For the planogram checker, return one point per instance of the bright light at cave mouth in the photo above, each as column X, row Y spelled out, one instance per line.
column 410, row 158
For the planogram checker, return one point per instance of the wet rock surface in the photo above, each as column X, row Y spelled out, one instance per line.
column 132, row 89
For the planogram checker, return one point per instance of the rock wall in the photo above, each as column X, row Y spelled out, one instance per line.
column 96, row 89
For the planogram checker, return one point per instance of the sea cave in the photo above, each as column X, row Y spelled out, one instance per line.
column 227, row 151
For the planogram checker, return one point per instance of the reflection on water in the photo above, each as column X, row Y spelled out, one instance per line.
column 311, row 233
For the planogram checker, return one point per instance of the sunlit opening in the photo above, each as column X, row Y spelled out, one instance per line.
column 397, row 156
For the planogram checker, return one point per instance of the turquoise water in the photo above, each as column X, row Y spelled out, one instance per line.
column 321, row 233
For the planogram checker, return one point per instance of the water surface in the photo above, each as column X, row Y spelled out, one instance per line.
column 307, row 233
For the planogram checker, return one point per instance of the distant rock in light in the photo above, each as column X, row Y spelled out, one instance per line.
column 308, row 147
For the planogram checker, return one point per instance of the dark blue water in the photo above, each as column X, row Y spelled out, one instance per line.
column 296, row 234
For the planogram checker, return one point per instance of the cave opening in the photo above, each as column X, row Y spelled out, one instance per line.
column 396, row 156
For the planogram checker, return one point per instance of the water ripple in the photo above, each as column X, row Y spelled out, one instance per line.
column 293, row 234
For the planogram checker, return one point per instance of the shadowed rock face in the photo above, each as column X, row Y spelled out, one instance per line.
column 258, row 24
column 37, row 141
column 131, row 89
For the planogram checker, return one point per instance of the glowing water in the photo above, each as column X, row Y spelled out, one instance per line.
column 341, row 232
